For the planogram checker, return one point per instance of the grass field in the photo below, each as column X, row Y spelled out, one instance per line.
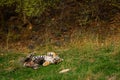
column 86, row 63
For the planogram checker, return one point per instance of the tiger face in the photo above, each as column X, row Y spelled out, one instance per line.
column 55, row 58
column 28, row 62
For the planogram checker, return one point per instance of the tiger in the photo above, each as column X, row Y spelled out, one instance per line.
column 34, row 62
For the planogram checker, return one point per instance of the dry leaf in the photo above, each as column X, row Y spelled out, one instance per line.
column 64, row 70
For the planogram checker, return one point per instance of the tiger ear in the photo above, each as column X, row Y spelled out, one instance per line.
column 46, row 63
column 54, row 54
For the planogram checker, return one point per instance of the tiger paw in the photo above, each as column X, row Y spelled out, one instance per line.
column 46, row 63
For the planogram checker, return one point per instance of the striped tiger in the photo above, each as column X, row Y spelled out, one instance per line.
column 44, row 60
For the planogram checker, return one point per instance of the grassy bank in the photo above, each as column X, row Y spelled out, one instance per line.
column 85, row 63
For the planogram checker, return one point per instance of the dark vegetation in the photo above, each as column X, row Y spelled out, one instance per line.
column 56, row 22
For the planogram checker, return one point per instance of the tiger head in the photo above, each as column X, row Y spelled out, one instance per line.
column 28, row 62
column 56, row 58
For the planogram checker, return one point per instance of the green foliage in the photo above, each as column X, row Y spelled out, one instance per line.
column 6, row 2
column 36, row 7
column 29, row 7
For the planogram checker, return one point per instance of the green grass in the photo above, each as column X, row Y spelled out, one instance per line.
column 85, row 63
